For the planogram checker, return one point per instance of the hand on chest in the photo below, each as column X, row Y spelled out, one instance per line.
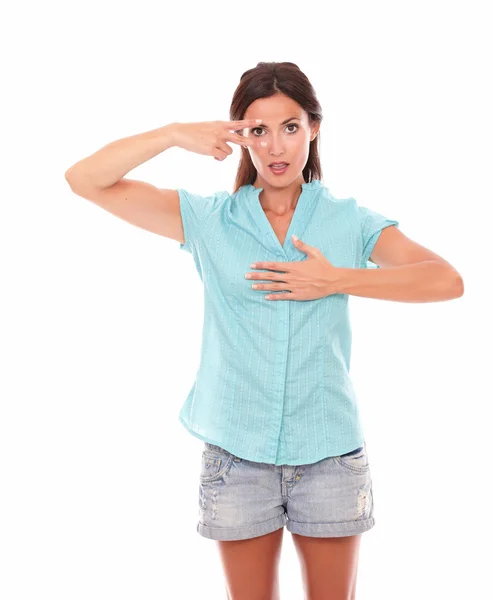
column 230, row 260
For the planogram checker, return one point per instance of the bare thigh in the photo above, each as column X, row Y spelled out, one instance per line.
column 329, row 566
column 251, row 566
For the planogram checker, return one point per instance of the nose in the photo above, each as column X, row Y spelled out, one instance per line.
column 275, row 146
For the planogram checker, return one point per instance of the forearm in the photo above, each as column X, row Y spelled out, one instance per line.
column 112, row 162
column 428, row 281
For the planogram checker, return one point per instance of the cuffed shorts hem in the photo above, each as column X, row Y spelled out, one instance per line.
column 242, row 533
column 330, row 529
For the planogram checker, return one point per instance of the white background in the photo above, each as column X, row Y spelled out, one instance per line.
column 101, row 321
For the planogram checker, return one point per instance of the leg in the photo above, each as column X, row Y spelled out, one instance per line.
column 329, row 566
column 251, row 566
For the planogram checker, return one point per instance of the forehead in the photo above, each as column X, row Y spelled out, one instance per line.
column 274, row 109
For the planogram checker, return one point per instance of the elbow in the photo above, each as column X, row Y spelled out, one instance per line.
column 458, row 285
column 70, row 172
column 75, row 180
column 69, row 176
column 453, row 282
column 69, row 181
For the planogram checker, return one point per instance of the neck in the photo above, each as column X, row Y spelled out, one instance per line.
column 279, row 201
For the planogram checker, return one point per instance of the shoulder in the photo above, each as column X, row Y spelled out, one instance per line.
column 341, row 207
column 202, row 205
column 355, row 212
column 350, row 205
column 338, row 203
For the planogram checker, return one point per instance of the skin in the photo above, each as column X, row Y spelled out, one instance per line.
column 276, row 141
column 280, row 143
column 328, row 565
column 401, row 277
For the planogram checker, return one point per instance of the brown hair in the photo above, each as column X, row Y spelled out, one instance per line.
column 265, row 80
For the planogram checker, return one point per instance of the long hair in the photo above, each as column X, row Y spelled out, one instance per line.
column 263, row 81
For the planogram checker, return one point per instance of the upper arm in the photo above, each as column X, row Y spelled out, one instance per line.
column 196, row 211
column 371, row 225
column 387, row 246
column 393, row 248
column 140, row 204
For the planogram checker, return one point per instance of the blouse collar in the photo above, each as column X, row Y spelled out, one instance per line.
column 300, row 218
column 310, row 185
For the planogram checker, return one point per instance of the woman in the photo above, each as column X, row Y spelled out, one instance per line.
column 273, row 401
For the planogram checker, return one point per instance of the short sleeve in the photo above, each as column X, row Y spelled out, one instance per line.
column 195, row 211
column 372, row 224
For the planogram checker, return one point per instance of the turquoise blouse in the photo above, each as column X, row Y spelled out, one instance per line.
column 273, row 382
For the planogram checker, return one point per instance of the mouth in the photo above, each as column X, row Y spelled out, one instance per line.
column 278, row 168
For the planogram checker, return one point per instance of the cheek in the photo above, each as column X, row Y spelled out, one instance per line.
column 297, row 145
column 255, row 158
column 300, row 153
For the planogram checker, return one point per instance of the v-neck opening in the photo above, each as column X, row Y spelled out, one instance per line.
column 299, row 217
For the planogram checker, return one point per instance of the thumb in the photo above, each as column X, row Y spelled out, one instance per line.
column 301, row 245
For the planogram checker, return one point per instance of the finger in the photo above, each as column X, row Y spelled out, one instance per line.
column 288, row 296
column 221, row 145
column 273, row 286
column 219, row 154
column 283, row 267
column 267, row 276
column 240, row 139
column 234, row 125
column 244, row 132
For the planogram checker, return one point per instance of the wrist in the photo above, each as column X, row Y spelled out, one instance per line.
column 170, row 133
column 343, row 280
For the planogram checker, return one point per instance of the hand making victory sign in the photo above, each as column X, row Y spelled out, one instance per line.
column 309, row 279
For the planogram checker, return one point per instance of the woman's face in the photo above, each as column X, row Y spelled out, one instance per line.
column 283, row 135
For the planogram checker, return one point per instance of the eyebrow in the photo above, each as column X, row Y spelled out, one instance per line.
column 283, row 122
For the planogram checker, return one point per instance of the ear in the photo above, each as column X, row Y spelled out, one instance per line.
column 314, row 131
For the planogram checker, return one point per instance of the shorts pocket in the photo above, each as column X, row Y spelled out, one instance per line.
column 356, row 460
column 215, row 464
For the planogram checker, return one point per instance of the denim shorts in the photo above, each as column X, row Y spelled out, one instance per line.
column 240, row 499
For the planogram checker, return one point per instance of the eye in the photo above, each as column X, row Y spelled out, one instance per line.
column 288, row 125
